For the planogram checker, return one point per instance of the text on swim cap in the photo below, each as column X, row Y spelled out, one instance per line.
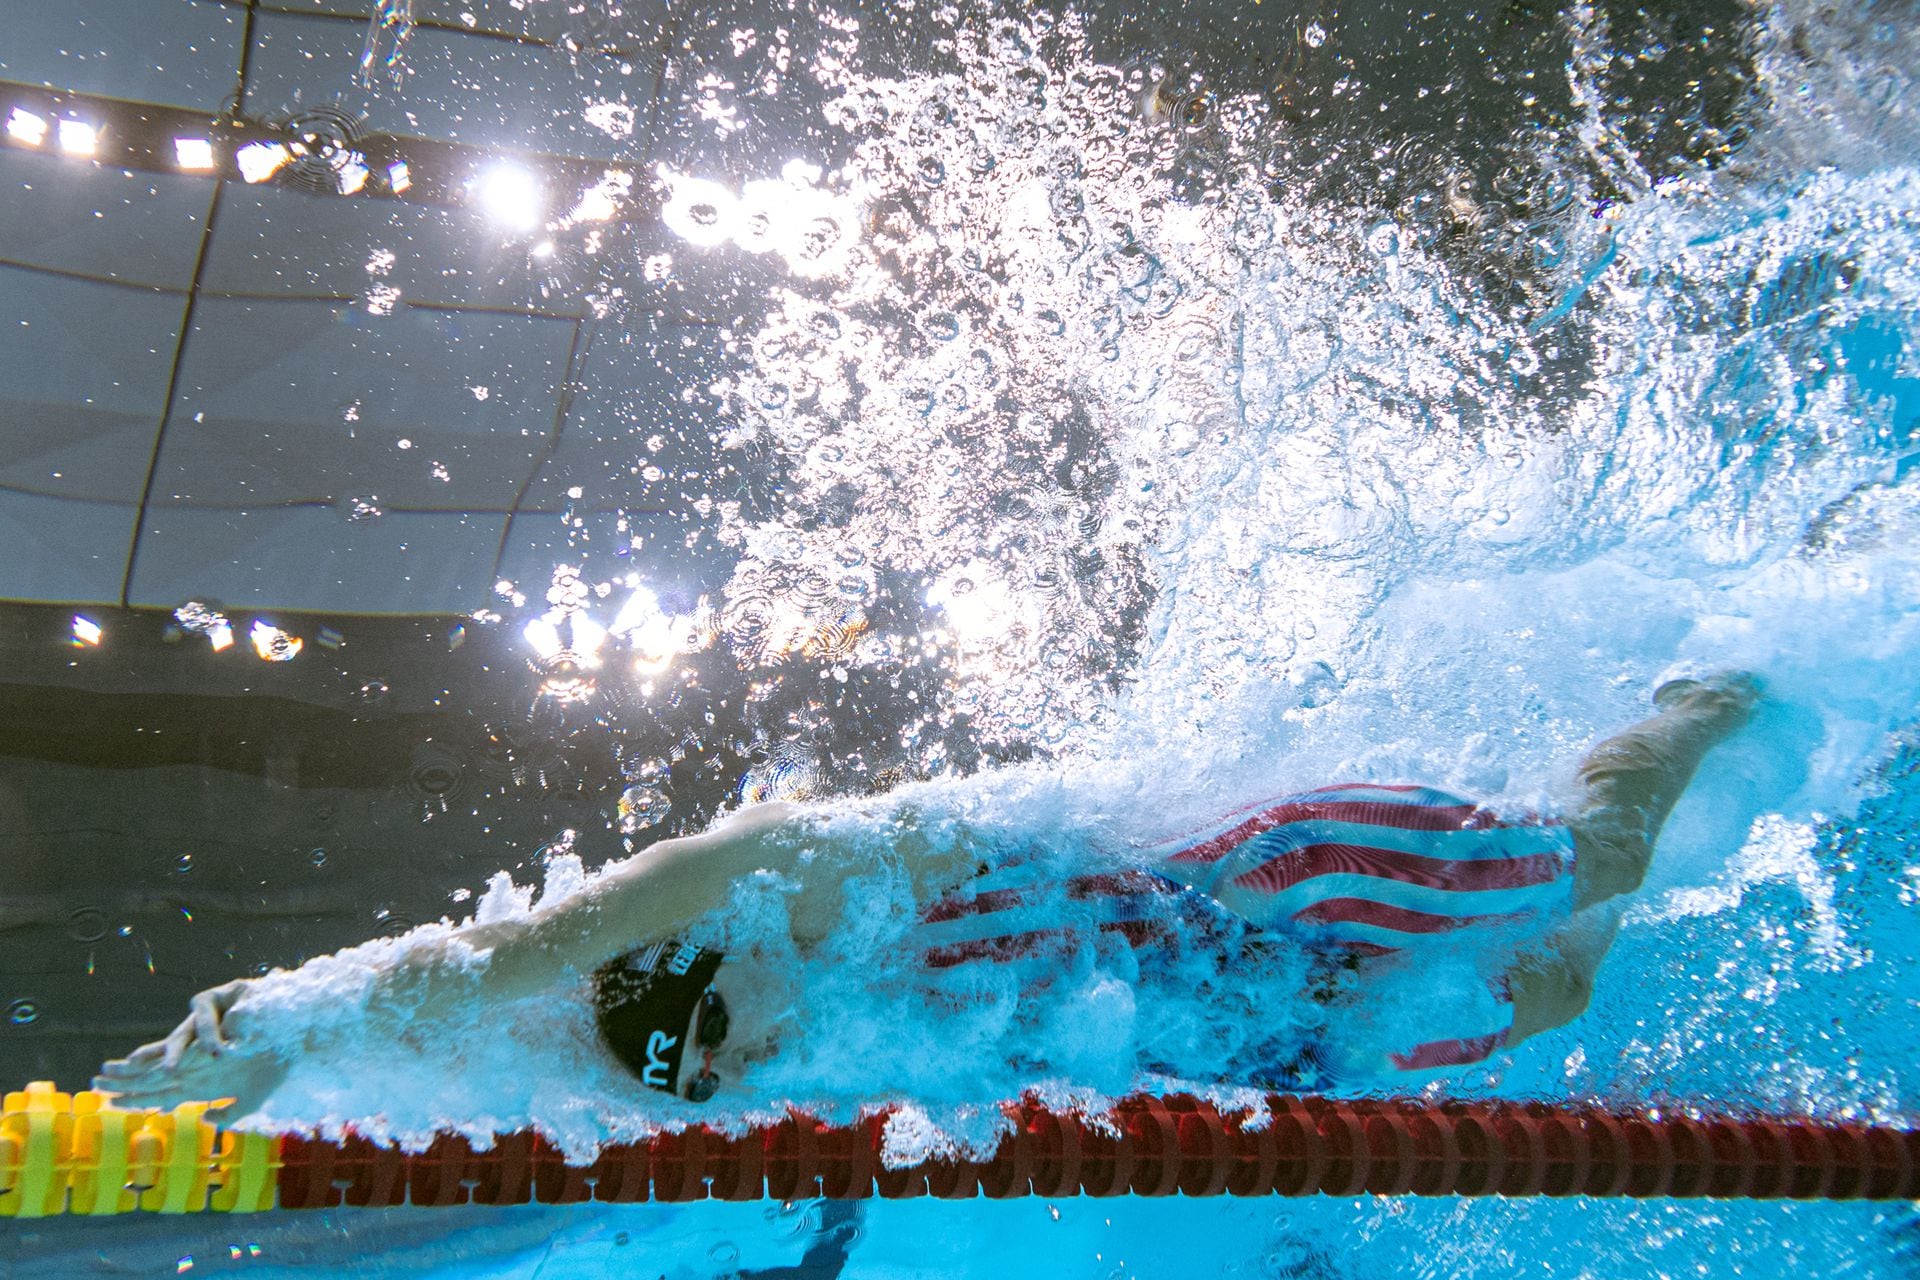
column 656, row 1073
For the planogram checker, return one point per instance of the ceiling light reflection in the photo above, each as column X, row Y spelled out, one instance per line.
column 991, row 625
column 648, row 631
column 25, row 126
column 698, row 211
column 273, row 644
column 588, row 635
column 640, row 607
column 603, row 200
column 78, row 138
column 194, row 153
column 811, row 228
column 566, row 649
column 511, row 197
column 259, row 161
column 544, row 637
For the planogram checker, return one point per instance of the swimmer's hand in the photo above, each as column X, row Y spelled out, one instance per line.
column 207, row 1058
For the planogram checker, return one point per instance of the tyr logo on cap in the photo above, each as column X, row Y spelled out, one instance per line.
column 643, row 1002
column 659, row 1072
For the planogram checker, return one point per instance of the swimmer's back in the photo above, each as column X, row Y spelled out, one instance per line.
column 1374, row 869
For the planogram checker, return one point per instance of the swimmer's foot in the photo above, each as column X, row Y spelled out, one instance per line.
column 1725, row 697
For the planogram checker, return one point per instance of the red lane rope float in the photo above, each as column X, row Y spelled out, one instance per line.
column 77, row 1154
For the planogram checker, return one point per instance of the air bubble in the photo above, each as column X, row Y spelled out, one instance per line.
column 822, row 235
column 435, row 771
column 1315, row 683
column 1549, row 249
column 1252, row 230
column 23, row 1011
column 390, row 923
column 86, row 924
column 789, row 774
column 642, row 805
column 1196, row 113
column 1554, row 194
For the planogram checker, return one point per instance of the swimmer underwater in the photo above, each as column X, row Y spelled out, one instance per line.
column 1359, row 877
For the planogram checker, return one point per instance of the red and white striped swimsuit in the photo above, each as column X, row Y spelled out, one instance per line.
column 1351, row 870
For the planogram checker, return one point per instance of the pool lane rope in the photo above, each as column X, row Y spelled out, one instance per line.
column 79, row 1154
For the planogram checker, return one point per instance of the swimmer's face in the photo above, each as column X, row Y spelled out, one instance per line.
column 753, row 1010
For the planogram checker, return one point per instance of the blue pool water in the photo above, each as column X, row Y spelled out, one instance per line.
column 1210, row 479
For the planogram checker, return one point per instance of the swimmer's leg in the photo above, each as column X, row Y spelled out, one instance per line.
column 1632, row 780
column 1551, row 985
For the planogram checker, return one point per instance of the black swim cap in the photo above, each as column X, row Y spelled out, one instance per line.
column 644, row 1001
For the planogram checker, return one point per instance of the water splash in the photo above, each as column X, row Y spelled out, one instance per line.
column 1208, row 450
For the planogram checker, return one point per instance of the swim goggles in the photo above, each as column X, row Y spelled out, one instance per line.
column 709, row 1033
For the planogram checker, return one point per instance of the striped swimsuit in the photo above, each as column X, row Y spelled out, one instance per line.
column 1347, row 872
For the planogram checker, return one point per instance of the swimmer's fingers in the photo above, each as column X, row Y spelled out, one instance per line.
column 178, row 1041
column 137, row 1063
column 144, row 1087
column 208, row 1008
column 203, row 1023
column 235, row 1085
column 197, row 1079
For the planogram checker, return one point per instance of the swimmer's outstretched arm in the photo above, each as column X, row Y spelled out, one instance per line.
column 669, row 885
column 654, row 894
